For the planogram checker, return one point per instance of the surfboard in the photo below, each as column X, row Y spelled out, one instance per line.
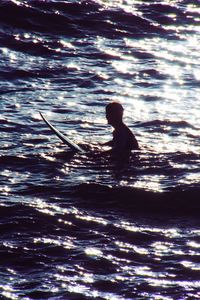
column 61, row 136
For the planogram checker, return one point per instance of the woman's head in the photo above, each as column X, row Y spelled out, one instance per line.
column 114, row 113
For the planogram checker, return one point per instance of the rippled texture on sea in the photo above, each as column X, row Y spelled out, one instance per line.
column 81, row 226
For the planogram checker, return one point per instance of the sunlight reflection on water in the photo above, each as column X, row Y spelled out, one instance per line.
column 70, row 224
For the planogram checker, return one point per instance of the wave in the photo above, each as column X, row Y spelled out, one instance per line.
column 181, row 124
column 104, row 192
column 81, row 18
column 173, row 128
column 178, row 200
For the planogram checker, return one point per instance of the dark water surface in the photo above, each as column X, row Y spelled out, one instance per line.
column 79, row 226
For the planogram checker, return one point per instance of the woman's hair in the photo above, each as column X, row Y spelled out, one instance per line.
column 114, row 107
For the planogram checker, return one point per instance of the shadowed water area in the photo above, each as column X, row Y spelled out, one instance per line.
column 79, row 225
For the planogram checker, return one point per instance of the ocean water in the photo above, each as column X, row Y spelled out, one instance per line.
column 81, row 226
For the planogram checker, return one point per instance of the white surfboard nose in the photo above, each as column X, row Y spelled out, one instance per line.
column 62, row 137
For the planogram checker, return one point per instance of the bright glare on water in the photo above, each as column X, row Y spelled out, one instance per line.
column 77, row 226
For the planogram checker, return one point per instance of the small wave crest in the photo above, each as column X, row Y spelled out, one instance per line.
column 78, row 18
column 134, row 200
